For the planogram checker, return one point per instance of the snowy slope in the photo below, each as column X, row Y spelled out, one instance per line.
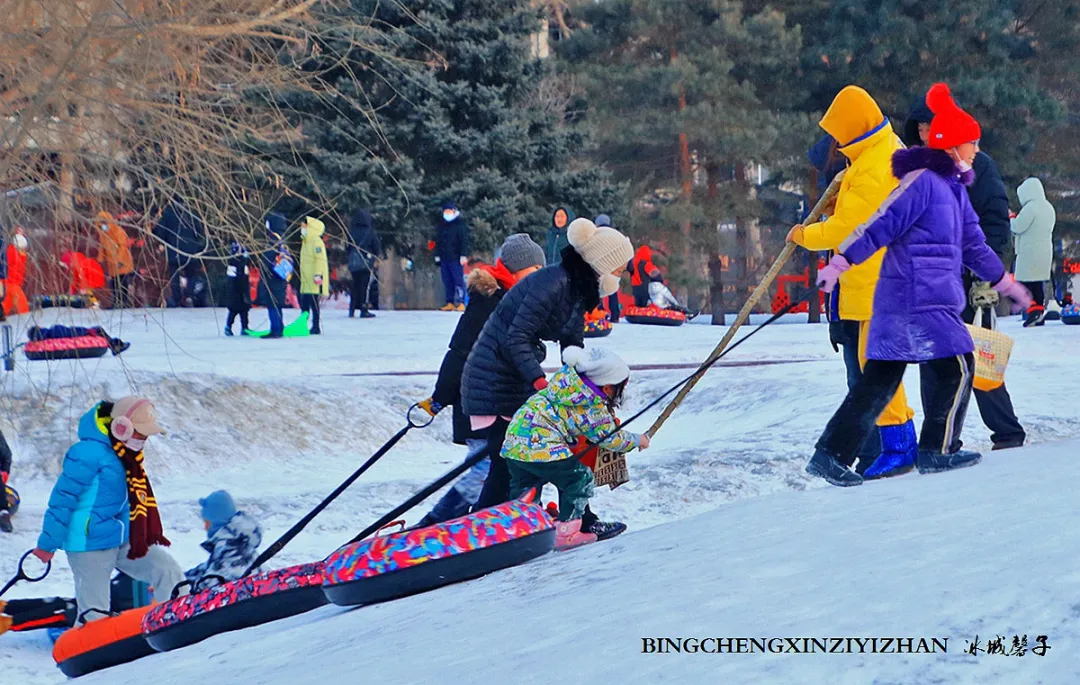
column 281, row 423
column 986, row 551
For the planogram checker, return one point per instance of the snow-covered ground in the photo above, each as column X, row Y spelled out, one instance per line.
column 281, row 423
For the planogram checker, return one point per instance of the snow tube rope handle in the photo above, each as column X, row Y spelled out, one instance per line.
column 196, row 585
column 280, row 543
column 21, row 574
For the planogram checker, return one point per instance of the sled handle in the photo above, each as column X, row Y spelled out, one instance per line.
column 178, row 587
column 198, row 586
column 82, row 616
column 21, row 573
column 399, row 522
column 414, row 424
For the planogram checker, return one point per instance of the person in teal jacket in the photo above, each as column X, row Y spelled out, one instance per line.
column 102, row 511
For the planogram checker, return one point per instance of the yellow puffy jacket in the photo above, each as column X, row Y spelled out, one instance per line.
column 314, row 270
column 854, row 117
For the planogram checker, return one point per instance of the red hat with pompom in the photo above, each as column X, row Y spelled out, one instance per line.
column 951, row 126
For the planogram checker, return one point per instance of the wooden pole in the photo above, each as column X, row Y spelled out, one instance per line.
column 744, row 313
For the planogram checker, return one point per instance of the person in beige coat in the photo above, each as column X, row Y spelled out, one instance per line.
column 1033, row 233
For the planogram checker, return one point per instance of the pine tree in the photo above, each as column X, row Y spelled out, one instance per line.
column 684, row 95
column 459, row 111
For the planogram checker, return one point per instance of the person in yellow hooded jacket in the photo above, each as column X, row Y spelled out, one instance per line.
column 866, row 138
column 314, row 270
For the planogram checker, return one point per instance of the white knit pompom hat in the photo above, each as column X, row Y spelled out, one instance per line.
column 600, row 365
column 604, row 248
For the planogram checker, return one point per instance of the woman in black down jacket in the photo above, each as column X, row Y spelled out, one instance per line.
column 503, row 370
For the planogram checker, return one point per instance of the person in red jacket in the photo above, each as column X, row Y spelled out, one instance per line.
column 86, row 274
column 642, row 273
column 14, row 297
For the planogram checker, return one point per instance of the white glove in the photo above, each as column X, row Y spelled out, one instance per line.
column 438, row 260
column 464, row 261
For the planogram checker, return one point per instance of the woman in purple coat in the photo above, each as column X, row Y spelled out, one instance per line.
column 931, row 232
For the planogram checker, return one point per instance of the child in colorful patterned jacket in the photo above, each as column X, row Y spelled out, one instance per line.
column 578, row 402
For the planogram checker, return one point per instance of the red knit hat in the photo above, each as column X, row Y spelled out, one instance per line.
column 951, row 126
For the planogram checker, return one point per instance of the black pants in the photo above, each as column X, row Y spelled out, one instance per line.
column 845, row 334
column 121, row 291
column 1038, row 292
column 497, row 485
column 310, row 303
column 995, row 406
column 233, row 313
column 613, row 307
column 946, row 391
column 641, row 295
column 359, row 295
column 196, row 287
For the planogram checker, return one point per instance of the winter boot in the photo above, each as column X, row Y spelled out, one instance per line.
column 365, row 313
column 116, row 346
column 5, row 522
column 605, row 531
column 568, row 535
column 5, row 623
column 1035, row 315
column 228, row 332
column 824, row 465
column 1053, row 311
column 459, row 307
column 448, row 307
column 899, row 449
column 1007, row 445
column 352, row 313
column 930, row 461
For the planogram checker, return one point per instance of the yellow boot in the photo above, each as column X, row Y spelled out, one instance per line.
column 459, row 308
column 448, row 307
column 5, row 623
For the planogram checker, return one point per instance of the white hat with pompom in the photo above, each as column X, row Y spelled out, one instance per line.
column 604, row 248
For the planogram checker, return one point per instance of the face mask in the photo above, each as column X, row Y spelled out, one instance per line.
column 963, row 166
column 135, row 444
column 449, row 216
column 104, row 227
column 609, row 285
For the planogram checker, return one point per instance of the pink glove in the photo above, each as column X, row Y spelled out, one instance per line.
column 830, row 275
column 1020, row 296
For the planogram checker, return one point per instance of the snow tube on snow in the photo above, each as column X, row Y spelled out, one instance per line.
column 392, row 566
column 654, row 316
column 13, row 499
column 1070, row 314
column 80, row 347
column 597, row 328
column 102, row 644
column 242, row 603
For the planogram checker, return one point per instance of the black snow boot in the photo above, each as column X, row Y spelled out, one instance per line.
column 935, row 462
column 824, row 465
column 5, row 522
column 116, row 346
column 365, row 313
column 603, row 530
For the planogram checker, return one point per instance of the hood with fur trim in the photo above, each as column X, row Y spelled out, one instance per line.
column 937, row 161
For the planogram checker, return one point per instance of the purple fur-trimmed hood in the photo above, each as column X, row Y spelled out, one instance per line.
column 937, row 161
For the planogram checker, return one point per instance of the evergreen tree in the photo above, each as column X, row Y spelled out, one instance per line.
column 684, row 95
column 458, row 112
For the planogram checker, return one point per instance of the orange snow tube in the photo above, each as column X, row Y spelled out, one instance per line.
column 102, row 644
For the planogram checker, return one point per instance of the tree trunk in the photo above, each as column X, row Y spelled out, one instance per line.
column 741, row 259
column 686, row 176
column 716, row 289
column 815, row 298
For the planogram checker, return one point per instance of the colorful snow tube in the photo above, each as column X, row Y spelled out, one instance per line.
column 1070, row 314
column 597, row 328
column 80, row 347
column 102, row 644
column 383, row 568
column 654, row 316
column 242, row 603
